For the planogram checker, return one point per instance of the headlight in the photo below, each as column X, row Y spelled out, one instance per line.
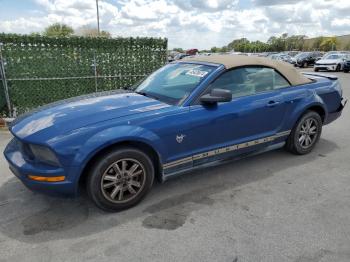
column 44, row 154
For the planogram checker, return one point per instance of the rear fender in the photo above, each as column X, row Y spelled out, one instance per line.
column 314, row 101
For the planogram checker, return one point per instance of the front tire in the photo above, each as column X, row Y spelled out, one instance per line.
column 305, row 134
column 337, row 68
column 120, row 179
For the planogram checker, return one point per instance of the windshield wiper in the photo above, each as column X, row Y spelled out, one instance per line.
column 147, row 95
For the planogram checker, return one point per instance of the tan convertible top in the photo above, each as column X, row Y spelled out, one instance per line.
column 231, row 61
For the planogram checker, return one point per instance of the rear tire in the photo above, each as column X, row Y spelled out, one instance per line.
column 316, row 69
column 120, row 179
column 305, row 134
column 346, row 70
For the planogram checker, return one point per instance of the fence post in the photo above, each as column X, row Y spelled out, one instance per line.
column 95, row 71
column 4, row 82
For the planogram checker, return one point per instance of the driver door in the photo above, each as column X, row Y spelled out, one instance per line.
column 256, row 111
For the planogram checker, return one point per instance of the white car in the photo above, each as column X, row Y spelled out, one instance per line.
column 331, row 62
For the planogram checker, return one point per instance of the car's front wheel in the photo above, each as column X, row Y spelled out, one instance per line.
column 305, row 134
column 120, row 179
column 338, row 68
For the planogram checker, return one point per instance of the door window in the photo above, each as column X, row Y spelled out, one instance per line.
column 250, row 80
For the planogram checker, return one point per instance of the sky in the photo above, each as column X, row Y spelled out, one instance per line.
column 188, row 24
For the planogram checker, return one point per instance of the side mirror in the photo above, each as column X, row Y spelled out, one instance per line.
column 216, row 96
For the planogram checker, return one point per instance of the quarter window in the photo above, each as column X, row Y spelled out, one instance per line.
column 250, row 80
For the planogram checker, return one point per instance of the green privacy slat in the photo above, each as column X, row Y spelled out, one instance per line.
column 41, row 70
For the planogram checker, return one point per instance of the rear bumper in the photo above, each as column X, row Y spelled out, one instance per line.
column 334, row 115
column 22, row 169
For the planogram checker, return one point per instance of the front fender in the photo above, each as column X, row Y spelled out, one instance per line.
column 113, row 135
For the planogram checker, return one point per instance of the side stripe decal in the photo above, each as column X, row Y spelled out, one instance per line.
column 225, row 149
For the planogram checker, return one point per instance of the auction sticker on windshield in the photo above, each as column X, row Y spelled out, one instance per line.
column 197, row 73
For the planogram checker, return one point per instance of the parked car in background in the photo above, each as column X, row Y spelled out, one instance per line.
column 180, row 56
column 282, row 57
column 193, row 51
column 346, row 67
column 331, row 62
column 292, row 53
column 306, row 59
column 188, row 114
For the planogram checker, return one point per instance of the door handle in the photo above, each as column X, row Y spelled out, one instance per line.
column 272, row 103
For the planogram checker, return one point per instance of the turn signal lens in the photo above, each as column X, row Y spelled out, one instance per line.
column 48, row 179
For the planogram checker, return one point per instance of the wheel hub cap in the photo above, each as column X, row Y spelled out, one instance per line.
column 123, row 180
column 308, row 133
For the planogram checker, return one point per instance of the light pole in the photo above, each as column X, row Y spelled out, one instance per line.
column 98, row 18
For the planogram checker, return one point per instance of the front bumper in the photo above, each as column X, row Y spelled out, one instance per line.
column 22, row 169
column 325, row 67
column 334, row 115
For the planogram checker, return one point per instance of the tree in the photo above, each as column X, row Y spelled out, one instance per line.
column 178, row 49
column 58, row 30
column 347, row 47
column 317, row 42
column 277, row 43
column 92, row 32
column 329, row 44
column 35, row 34
column 215, row 49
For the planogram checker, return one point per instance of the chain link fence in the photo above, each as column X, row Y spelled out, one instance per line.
column 37, row 70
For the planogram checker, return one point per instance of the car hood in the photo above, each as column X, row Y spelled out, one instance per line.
column 66, row 115
column 328, row 61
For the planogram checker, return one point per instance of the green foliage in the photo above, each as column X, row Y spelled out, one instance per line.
column 92, row 32
column 180, row 50
column 58, row 30
column 215, row 49
column 328, row 44
column 276, row 44
column 317, row 43
column 120, row 63
column 347, row 46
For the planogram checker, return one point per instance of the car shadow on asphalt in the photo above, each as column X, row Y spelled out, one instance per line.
column 31, row 217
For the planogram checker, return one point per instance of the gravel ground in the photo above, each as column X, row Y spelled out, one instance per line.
column 270, row 207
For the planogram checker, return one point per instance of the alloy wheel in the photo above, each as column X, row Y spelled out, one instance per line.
column 308, row 133
column 123, row 180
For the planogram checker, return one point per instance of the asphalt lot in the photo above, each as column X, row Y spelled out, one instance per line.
column 271, row 207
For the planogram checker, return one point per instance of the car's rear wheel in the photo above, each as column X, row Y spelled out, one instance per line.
column 346, row 70
column 120, row 179
column 316, row 69
column 305, row 134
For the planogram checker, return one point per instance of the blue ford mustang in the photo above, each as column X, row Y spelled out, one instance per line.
column 187, row 114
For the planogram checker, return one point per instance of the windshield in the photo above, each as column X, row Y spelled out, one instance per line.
column 333, row 56
column 173, row 83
